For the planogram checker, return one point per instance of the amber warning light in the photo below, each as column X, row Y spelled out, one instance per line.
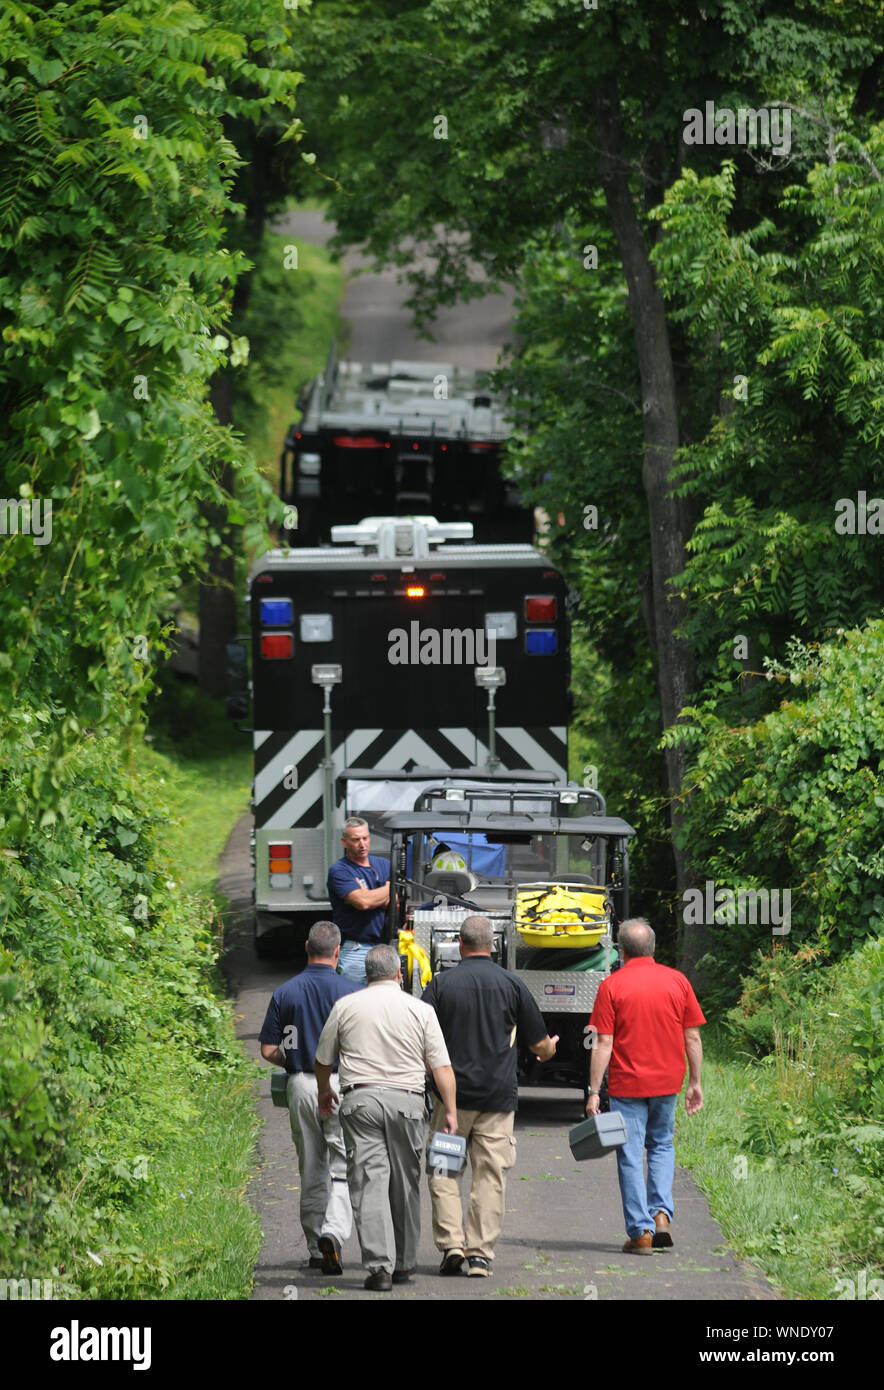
column 415, row 591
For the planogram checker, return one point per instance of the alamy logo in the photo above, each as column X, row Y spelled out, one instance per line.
column 22, row 516
column 446, row 646
column 722, row 907
column 865, row 517
column 745, row 126
column 16, row 1289
column 76, row 1343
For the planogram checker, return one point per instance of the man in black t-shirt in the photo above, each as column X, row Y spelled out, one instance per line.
column 482, row 1010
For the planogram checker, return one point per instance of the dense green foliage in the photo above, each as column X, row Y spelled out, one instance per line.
column 115, row 190
column 112, row 1034
column 796, row 800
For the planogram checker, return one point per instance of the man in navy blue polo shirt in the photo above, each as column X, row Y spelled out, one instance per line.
column 359, row 891
column 295, row 1018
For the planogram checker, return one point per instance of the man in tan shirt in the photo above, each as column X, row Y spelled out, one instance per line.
column 387, row 1042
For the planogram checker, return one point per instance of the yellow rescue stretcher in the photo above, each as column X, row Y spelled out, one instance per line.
column 574, row 915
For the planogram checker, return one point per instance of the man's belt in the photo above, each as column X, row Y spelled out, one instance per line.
column 378, row 1086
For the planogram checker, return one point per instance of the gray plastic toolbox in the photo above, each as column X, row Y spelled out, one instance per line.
column 597, row 1135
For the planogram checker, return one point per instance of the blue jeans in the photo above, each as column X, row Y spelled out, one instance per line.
column 352, row 961
column 650, row 1122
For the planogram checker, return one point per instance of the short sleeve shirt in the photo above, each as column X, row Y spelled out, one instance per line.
column 646, row 1007
column 298, row 1010
column 483, row 1009
column 384, row 1037
column 357, row 924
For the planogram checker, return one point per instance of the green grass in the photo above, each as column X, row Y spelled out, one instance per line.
column 203, row 1228
column 206, row 766
column 187, row 1229
column 790, row 1213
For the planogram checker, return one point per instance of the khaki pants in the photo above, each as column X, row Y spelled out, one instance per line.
column 492, row 1151
column 384, row 1132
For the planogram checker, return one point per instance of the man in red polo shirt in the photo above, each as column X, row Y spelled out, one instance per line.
column 646, row 1017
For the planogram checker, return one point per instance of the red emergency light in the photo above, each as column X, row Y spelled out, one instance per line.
column 541, row 608
column 357, row 441
column 277, row 645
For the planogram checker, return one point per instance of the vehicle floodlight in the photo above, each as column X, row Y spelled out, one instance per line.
column 455, row 794
column 489, row 677
column 569, row 798
column 325, row 675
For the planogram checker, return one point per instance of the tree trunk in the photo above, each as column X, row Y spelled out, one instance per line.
column 675, row 666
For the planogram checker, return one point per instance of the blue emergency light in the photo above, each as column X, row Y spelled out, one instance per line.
column 276, row 612
column 542, row 641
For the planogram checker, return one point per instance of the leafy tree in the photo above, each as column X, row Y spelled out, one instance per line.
column 489, row 136
column 795, row 800
column 116, row 184
column 794, row 304
column 113, row 194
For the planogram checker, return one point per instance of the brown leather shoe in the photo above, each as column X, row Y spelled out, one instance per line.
column 662, row 1239
column 642, row 1245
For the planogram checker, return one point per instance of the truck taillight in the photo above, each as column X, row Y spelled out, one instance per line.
column 357, row 441
column 280, row 863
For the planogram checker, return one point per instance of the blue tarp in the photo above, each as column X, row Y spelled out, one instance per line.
column 488, row 861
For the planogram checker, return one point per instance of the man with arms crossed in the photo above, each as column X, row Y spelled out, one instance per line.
column 646, row 1017
column 482, row 1009
column 387, row 1042
column 359, row 891
column 295, row 1018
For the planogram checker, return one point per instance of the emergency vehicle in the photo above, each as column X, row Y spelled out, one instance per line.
column 397, row 438
column 400, row 650
column 546, row 865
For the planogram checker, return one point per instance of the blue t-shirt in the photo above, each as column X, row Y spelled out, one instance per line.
column 298, row 1010
column 357, row 924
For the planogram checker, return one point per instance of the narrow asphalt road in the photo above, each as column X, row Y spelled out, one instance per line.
column 467, row 335
column 564, row 1224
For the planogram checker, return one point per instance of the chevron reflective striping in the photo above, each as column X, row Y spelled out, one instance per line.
column 303, row 805
column 408, row 750
column 290, row 755
column 464, row 740
column 392, row 749
column 551, row 753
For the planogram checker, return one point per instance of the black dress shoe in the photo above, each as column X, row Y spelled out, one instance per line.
column 452, row 1261
column 403, row 1276
column 331, row 1255
column 379, row 1282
